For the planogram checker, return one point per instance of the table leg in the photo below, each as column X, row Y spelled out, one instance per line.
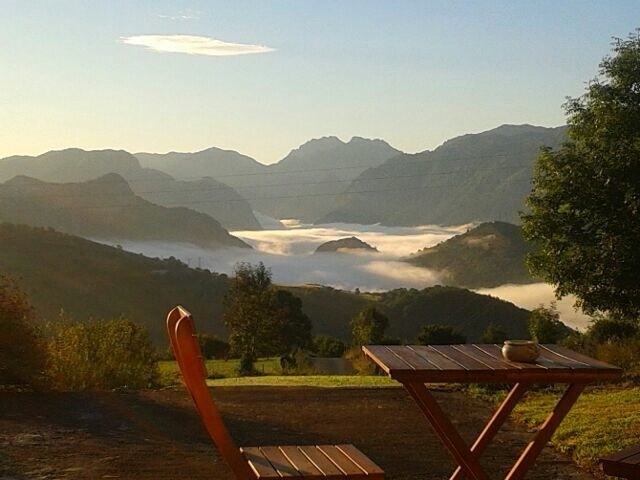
column 493, row 426
column 531, row 452
column 446, row 431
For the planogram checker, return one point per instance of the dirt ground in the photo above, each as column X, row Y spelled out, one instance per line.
column 156, row 434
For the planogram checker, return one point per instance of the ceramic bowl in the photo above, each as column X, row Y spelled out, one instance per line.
column 520, row 350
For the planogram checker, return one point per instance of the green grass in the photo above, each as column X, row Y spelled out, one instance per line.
column 325, row 381
column 220, row 368
column 603, row 421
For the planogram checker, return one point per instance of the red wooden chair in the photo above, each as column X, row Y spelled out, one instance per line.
column 308, row 461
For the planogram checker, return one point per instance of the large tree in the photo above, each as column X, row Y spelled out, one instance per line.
column 368, row 326
column 584, row 208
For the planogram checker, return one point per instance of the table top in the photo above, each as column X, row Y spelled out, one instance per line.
column 484, row 363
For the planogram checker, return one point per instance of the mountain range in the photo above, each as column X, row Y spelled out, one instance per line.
column 470, row 178
column 204, row 195
column 107, row 208
column 303, row 185
column 477, row 177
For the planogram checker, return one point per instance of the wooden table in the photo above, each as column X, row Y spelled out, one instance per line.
column 415, row 365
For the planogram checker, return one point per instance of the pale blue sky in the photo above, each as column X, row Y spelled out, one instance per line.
column 412, row 72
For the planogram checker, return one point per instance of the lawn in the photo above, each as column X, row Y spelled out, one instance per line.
column 604, row 420
column 326, row 381
column 220, row 368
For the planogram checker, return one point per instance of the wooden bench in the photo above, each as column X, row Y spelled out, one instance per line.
column 624, row 464
column 308, row 461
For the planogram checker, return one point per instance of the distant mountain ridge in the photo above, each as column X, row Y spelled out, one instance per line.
column 303, row 185
column 474, row 177
column 106, row 208
column 208, row 196
column 489, row 255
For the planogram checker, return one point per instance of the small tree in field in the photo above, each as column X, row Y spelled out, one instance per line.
column 434, row 334
column 263, row 320
column 22, row 350
column 368, row 326
column 584, row 208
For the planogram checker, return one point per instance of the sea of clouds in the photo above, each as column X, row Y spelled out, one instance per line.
column 289, row 251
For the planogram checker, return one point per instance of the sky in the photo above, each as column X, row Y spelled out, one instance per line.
column 263, row 77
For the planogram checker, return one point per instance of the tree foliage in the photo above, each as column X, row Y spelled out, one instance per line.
column 22, row 350
column 263, row 320
column 213, row 346
column 494, row 334
column 434, row 334
column 584, row 208
column 368, row 326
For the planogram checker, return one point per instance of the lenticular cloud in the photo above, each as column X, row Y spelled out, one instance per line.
column 194, row 45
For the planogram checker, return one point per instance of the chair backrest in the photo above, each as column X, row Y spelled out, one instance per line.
column 182, row 335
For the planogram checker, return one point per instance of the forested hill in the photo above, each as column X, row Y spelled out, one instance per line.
column 477, row 177
column 91, row 280
column 488, row 255
column 107, row 208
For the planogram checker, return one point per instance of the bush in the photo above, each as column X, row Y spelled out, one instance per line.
column 494, row 333
column 325, row 346
column 101, row 354
column 440, row 335
column 22, row 350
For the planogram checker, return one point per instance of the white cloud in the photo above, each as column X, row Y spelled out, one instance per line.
column 193, row 45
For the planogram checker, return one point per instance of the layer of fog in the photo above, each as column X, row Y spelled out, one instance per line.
column 289, row 251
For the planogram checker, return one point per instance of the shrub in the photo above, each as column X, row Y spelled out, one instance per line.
column 101, row 354
column 368, row 326
column 440, row 335
column 22, row 350
column 212, row 346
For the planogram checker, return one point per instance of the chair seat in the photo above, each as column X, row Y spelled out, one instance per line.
column 625, row 464
column 311, row 461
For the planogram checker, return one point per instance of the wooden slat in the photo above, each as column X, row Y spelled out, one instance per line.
column 385, row 359
column 489, row 361
column 343, row 462
column 551, row 356
column 320, row 460
column 360, row 459
column 436, row 358
column 409, row 356
column 259, row 463
column 467, row 362
column 279, row 462
column 301, row 462
column 565, row 352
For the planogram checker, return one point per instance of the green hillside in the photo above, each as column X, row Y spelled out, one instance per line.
column 488, row 255
column 88, row 279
